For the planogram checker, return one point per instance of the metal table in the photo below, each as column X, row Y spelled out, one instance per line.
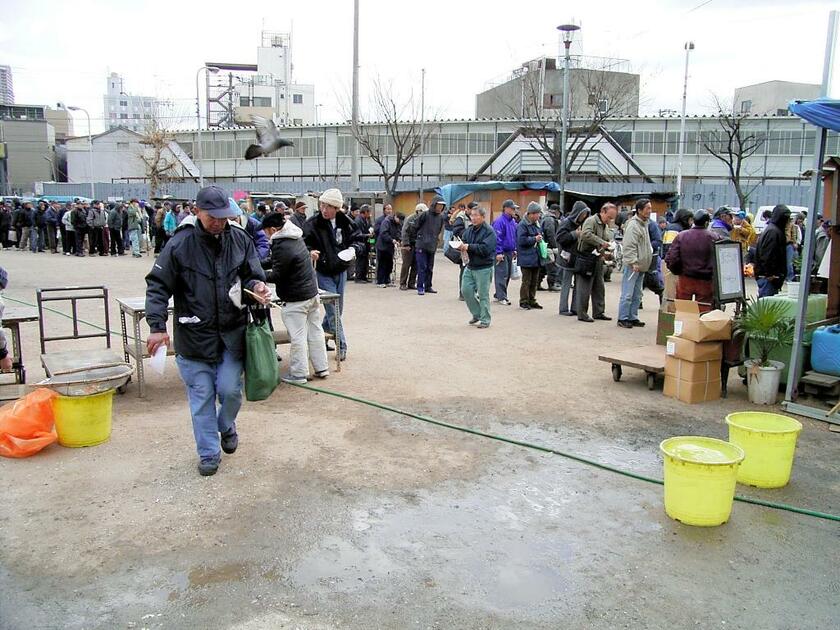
column 135, row 308
column 13, row 317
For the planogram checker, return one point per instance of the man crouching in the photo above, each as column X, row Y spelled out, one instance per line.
column 297, row 287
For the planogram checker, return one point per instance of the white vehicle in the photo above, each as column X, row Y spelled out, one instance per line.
column 759, row 223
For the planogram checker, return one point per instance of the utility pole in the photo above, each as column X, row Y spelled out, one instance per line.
column 689, row 46
column 354, row 154
column 422, row 125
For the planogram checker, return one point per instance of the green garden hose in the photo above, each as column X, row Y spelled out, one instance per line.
column 506, row 440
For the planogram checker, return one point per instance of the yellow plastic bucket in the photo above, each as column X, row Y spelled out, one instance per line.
column 769, row 441
column 83, row 420
column 700, row 479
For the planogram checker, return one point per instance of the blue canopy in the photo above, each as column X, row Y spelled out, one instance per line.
column 822, row 112
column 453, row 193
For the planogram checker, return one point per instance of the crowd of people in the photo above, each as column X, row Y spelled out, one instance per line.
column 574, row 253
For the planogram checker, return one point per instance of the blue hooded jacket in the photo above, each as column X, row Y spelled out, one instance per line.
column 505, row 228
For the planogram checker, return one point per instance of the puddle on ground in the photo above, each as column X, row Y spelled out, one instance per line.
column 206, row 575
column 498, row 546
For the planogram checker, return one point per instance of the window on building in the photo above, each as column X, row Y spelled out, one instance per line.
column 135, row 115
column 624, row 139
column 122, row 146
column 746, row 106
column 123, row 103
column 123, row 116
column 244, row 101
column 297, row 99
column 782, row 112
column 147, row 116
column 262, row 101
column 649, row 142
column 297, row 121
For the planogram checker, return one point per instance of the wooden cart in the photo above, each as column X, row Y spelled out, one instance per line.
column 650, row 359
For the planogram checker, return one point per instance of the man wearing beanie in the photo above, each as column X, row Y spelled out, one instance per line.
column 327, row 233
column 528, row 238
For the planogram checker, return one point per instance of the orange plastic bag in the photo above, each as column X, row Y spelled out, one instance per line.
column 27, row 425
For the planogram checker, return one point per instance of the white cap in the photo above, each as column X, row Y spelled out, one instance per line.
column 332, row 197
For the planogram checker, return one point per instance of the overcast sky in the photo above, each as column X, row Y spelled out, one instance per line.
column 62, row 51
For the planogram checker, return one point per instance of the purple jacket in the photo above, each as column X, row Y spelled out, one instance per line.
column 691, row 253
column 505, row 228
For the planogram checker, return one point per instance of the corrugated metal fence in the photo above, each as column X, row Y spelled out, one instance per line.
column 696, row 195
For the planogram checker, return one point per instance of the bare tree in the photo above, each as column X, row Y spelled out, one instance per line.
column 161, row 166
column 596, row 95
column 733, row 144
column 396, row 136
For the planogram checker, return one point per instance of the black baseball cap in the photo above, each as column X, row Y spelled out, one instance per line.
column 216, row 202
column 510, row 203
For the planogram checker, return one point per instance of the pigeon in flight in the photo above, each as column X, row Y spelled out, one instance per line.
column 268, row 138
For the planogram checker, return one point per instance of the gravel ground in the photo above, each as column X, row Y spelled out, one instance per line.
column 334, row 514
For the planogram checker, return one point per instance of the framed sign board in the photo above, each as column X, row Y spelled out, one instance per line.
column 728, row 272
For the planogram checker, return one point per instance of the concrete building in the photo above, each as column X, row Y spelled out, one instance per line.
column 61, row 120
column 238, row 91
column 121, row 109
column 27, row 154
column 633, row 152
column 118, row 155
column 7, row 91
column 535, row 90
column 771, row 98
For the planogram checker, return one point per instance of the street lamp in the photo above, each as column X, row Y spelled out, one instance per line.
column 568, row 33
column 689, row 46
column 90, row 146
column 213, row 70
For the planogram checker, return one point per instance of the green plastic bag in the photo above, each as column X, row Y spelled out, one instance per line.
column 261, row 371
column 542, row 247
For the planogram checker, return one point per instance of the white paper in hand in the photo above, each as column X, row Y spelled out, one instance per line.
column 158, row 361
column 347, row 254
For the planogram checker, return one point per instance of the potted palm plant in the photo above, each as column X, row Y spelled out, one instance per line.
column 765, row 326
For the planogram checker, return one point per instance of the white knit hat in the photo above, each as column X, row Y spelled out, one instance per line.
column 421, row 207
column 332, row 197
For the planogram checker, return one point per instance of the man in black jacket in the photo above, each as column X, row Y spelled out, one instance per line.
column 363, row 223
column 479, row 246
column 327, row 233
column 427, row 230
column 205, row 267
column 296, row 285
column 771, row 253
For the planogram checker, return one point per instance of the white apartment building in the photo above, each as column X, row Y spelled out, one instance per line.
column 122, row 109
column 236, row 91
column 7, row 91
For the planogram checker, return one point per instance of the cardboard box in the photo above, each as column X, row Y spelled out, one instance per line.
column 688, row 392
column 664, row 327
column 690, row 324
column 701, row 371
column 680, row 348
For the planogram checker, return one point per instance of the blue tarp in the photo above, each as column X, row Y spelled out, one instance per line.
column 453, row 193
column 822, row 112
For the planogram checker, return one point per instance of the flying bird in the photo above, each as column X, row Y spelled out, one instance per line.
column 268, row 139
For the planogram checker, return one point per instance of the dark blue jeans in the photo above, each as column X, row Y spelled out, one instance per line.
column 425, row 267
column 767, row 287
column 334, row 284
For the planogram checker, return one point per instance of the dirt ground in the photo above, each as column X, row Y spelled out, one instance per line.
column 334, row 514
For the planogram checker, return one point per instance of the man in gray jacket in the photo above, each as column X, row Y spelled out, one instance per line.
column 636, row 253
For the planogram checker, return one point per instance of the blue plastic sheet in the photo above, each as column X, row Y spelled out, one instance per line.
column 822, row 112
